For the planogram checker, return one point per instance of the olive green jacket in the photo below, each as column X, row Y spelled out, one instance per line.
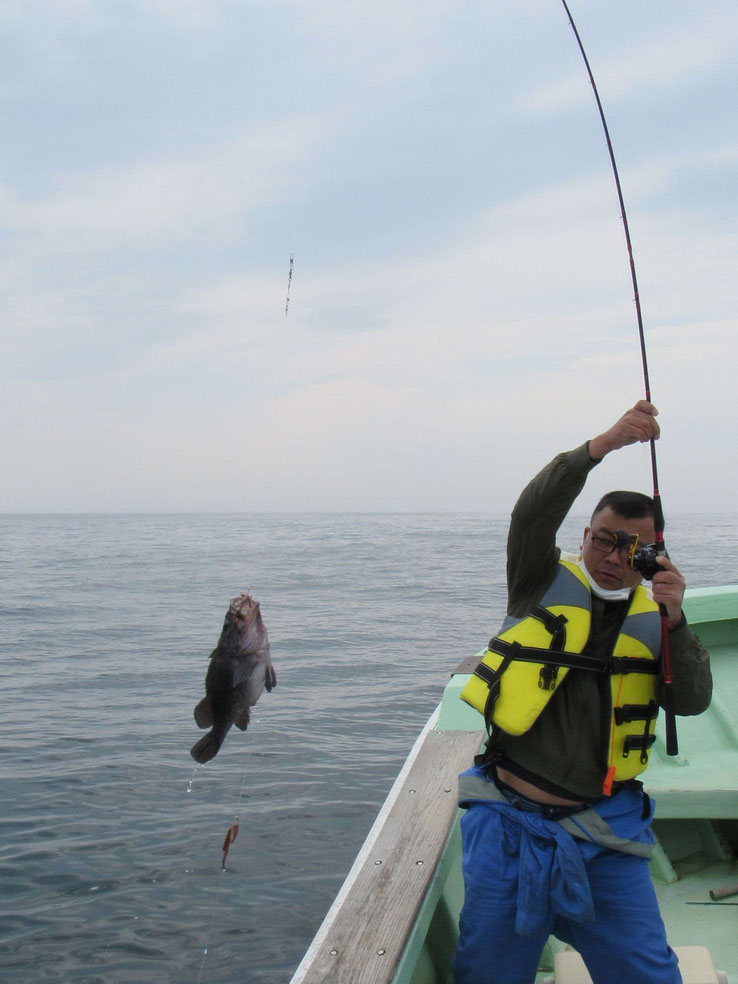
column 565, row 751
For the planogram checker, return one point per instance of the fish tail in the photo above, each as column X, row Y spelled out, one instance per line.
column 208, row 747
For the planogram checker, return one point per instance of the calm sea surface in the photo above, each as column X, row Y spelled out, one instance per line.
column 110, row 835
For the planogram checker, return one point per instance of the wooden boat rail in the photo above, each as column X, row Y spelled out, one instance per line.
column 365, row 932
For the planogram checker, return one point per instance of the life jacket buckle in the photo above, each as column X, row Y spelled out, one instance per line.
column 547, row 676
column 628, row 713
column 638, row 742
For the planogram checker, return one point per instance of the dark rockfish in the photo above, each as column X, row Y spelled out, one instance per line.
column 239, row 670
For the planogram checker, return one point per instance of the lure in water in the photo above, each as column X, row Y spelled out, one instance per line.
column 240, row 669
column 231, row 835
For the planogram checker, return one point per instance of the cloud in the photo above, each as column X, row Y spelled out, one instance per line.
column 539, row 268
column 168, row 199
column 681, row 55
column 461, row 304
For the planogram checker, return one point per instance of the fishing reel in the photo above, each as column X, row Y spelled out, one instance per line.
column 644, row 561
column 641, row 559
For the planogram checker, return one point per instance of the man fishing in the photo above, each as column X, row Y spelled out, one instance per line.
column 556, row 830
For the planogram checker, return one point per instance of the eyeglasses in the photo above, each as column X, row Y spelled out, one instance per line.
column 624, row 543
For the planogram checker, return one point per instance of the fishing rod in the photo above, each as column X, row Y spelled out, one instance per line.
column 658, row 517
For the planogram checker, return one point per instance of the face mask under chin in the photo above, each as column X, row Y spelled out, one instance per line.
column 607, row 594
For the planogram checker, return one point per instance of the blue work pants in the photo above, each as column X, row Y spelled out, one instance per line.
column 520, row 874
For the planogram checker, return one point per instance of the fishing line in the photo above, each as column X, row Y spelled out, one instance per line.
column 215, row 910
column 668, row 697
column 215, row 907
column 231, row 835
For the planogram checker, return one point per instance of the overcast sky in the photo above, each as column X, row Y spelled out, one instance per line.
column 461, row 306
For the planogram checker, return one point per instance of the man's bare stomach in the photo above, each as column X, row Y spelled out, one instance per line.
column 533, row 792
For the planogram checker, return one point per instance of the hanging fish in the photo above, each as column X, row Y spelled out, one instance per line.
column 231, row 835
column 239, row 670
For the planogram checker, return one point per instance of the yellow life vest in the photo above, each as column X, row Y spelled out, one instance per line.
column 528, row 661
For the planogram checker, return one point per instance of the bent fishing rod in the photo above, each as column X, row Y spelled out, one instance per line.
column 658, row 518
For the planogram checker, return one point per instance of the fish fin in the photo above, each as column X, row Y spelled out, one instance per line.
column 270, row 681
column 204, row 713
column 242, row 721
column 208, row 747
column 243, row 670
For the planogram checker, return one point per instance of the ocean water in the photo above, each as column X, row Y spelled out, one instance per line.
column 110, row 835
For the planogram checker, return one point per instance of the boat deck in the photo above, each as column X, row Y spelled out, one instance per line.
column 694, row 919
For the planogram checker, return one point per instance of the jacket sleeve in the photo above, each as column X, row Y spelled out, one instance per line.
column 691, row 676
column 543, row 505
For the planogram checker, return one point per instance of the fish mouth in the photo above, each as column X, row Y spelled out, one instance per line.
column 244, row 606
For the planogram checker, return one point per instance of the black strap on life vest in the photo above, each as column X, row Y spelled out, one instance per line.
column 531, row 654
column 632, row 664
column 638, row 742
column 556, row 625
column 636, row 712
column 492, row 679
column 573, row 661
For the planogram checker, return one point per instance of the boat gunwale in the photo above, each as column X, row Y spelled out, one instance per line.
column 365, row 851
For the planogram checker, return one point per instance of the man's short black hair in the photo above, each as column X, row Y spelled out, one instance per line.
column 629, row 505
